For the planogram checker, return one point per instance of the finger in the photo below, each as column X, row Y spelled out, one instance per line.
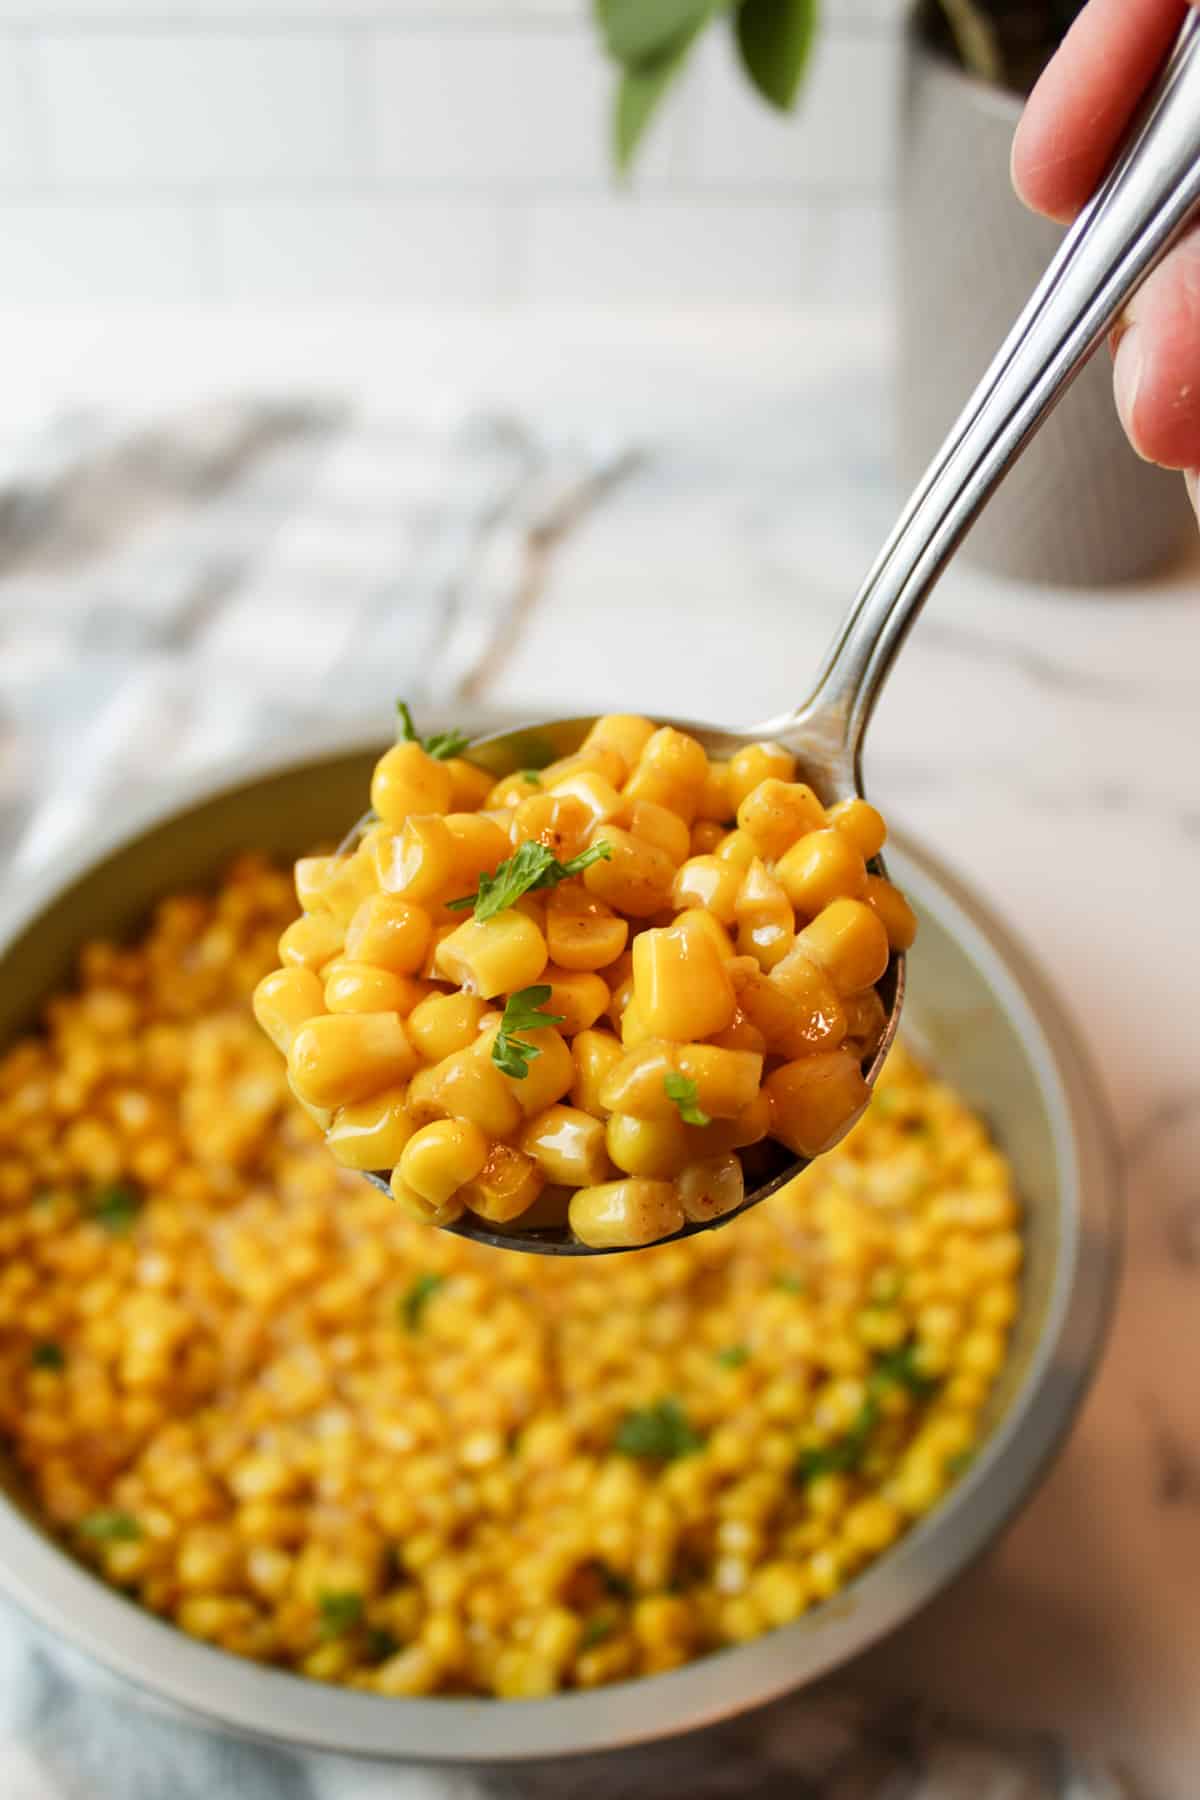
column 1156, row 375
column 1090, row 90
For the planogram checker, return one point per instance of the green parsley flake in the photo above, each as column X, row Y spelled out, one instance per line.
column 338, row 1613
column 734, row 1356
column 685, row 1094
column 599, row 1627
column 111, row 1527
column 380, row 1644
column 414, row 1301
column 895, row 1369
column 789, row 1283
column 532, row 777
column 441, row 745
column 522, row 1012
column 658, row 1433
column 532, row 866
column 116, row 1206
column 958, row 1465
column 47, row 1356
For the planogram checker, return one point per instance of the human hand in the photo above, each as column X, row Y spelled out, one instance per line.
column 1070, row 128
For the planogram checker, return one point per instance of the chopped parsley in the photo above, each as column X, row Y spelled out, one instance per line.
column 897, row 1368
column 532, row 777
column 790, row 1284
column 111, row 1527
column 441, row 745
column 116, row 1206
column 415, row 1299
column 532, row 866
column 338, row 1613
column 685, row 1095
column 598, row 1627
column 380, row 1644
column 658, row 1433
column 47, row 1356
column 734, row 1356
column 958, row 1465
column 522, row 1012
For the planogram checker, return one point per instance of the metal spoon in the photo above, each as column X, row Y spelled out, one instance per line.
column 1147, row 200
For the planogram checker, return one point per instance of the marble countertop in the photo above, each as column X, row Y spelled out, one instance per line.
column 1045, row 744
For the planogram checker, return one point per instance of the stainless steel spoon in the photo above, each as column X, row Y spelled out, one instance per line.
column 1147, row 200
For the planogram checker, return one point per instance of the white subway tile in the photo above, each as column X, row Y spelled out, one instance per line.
column 841, row 136
column 76, row 255
column 197, row 107
column 353, row 249
column 19, row 121
column 487, row 106
column 653, row 250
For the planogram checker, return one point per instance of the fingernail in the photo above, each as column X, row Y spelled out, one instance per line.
column 1127, row 378
column 1191, row 480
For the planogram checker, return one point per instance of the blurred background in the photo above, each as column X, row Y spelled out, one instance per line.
column 453, row 151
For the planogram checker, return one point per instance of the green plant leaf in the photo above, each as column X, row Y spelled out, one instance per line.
column 338, row 1613
column 109, row 1526
column 523, row 1011
column 775, row 38
column 685, row 1094
column 411, row 1307
column 657, row 1433
column 639, row 91
column 636, row 30
column 533, row 866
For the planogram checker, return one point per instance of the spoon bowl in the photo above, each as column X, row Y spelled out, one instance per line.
column 1148, row 199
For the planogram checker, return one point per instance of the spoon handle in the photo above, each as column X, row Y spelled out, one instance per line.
column 1145, row 202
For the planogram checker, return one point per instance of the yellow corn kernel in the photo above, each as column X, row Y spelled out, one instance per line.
column 312, row 877
column 682, row 987
column 756, row 763
column 796, row 1007
column 740, row 1034
column 416, row 1206
column 697, row 925
column 499, row 955
column 626, row 733
column 479, row 845
column 893, row 912
column 706, row 836
column 635, row 878
column 849, row 943
column 370, row 1134
column 440, row 1158
column 508, row 1184
column 443, row 1023
column 726, row 1081
column 711, row 1188
column 820, row 868
column 766, row 923
column 866, row 1022
column 602, row 800
column 812, row 1101
column 355, row 987
column 429, row 970
column 598, row 759
column 420, row 861
column 657, row 825
column 862, row 825
column 711, row 882
column 595, row 1054
column 776, row 813
column 559, row 821
column 311, row 942
column 716, row 806
column 633, row 1027
column 408, row 780
column 321, row 1116
column 581, row 931
column 510, row 790
column 653, row 1147
column 549, row 1075
column 577, row 998
column 343, row 1057
column 750, row 1126
column 286, row 999
column 470, row 785
column 635, row 1083
column 389, row 932
column 737, row 847
column 617, row 1214
column 671, row 771
column 567, row 1145
column 466, row 1085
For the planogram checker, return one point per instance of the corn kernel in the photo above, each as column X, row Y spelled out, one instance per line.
column 812, row 1101
column 407, row 780
column 284, row 1001
column 499, row 955
column 618, row 1214
column 849, row 942
column 567, row 1145
column 344, row 1057
column 681, row 985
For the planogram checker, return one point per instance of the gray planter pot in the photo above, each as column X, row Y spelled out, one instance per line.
column 1079, row 509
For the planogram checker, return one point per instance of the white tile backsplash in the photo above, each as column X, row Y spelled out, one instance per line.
column 393, row 150
column 197, row 108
